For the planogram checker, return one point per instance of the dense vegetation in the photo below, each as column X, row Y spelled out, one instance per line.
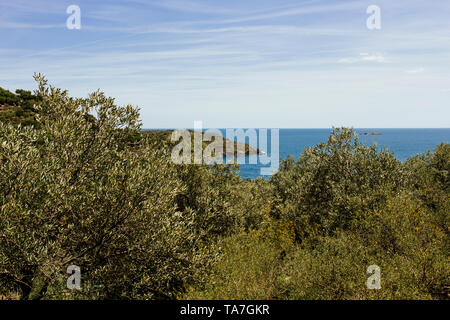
column 82, row 186
column 17, row 108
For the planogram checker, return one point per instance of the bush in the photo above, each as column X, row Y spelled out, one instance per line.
column 19, row 112
column 248, row 269
column 402, row 239
column 322, row 191
column 75, row 192
column 430, row 180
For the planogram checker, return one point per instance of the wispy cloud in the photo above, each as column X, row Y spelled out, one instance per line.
column 190, row 6
column 19, row 25
column 364, row 57
column 415, row 71
column 297, row 11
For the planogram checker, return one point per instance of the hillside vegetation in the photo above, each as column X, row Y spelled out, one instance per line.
column 17, row 107
column 83, row 186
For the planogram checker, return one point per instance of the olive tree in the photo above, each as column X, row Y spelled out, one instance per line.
column 326, row 188
column 81, row 190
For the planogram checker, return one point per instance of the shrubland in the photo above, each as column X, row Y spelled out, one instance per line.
column 82, row 185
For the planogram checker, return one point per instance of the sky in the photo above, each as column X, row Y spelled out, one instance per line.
column 241, row 63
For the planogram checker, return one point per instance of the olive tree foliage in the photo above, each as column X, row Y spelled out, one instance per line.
column 430, row 180
column 220, row 202
column 402, row 238
column 405, row 233
column 332, row 182
column 75, row 191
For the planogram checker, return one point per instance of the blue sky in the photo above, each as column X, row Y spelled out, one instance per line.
column 278, row 63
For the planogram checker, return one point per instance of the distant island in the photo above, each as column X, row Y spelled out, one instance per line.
column 370, row 133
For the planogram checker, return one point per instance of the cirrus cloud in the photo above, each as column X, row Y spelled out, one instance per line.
column 364, row 57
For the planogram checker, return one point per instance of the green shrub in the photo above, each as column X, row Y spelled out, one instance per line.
column 430, row 180
column 322, row 191
column 73, row 191
column 248, row 269
column 402, row 239
column 19, row 112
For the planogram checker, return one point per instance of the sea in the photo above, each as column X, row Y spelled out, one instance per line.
column 402, row 143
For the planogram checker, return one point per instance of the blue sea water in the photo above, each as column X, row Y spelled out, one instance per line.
column 403, row 143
